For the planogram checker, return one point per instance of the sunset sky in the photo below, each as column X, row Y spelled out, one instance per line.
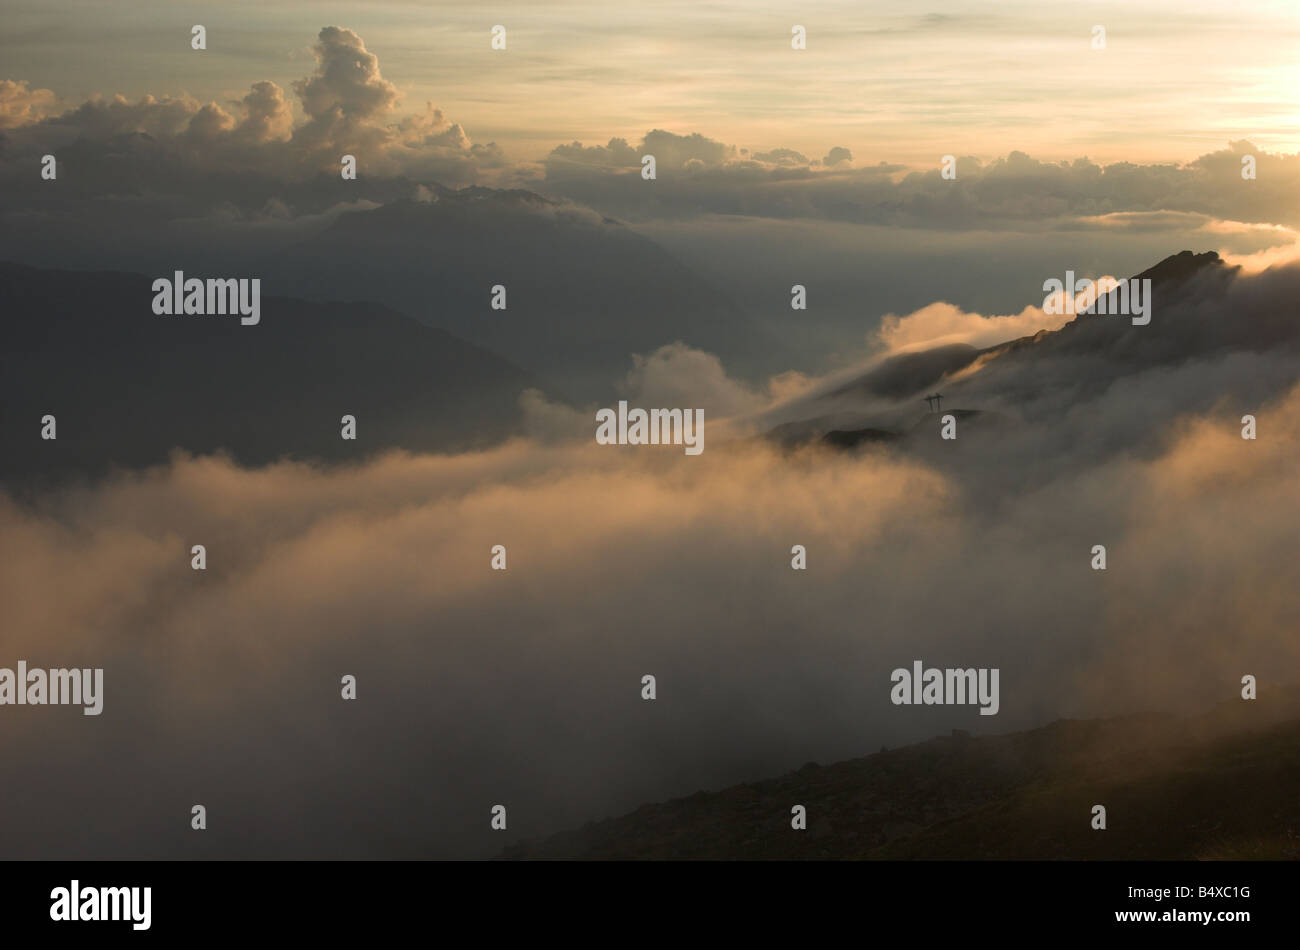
column 891, row 82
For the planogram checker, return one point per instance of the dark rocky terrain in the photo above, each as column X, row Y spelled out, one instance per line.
column 1221, row 785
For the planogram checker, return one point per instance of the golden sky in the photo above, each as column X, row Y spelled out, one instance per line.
column 892, row 82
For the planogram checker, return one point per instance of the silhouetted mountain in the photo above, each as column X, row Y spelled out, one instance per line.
column 583, row 292
column 1219, row 785
column 1176, row 268
column 1201, row 310
column 1174, row 333
column 128, row 386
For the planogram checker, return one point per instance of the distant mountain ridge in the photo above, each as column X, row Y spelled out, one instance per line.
column 583, row 292
column 127, row 386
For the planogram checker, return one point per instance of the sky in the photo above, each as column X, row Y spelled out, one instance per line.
column 890, row 82
column 775, row 166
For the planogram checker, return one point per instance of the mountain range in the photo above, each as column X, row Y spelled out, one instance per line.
column 127, row 387
column 583, row 292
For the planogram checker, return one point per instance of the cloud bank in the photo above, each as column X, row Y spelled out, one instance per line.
column 478, row 687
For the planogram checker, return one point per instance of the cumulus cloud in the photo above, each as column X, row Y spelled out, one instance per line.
column 103, row 118
column 349, row 106
column 268, row 115
column 672, row 376
column 674, row 151
column 616, row 153
column 677, row 375
column 145, row 182
column 20, row 104
column 346, row 85
column 837, row 155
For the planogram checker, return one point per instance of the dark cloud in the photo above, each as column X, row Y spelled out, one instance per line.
column 837, row 155
column 1013, row 191
column 781, row 156
column 617, row 153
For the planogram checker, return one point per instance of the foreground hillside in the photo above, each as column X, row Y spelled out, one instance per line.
column 1221, row 785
